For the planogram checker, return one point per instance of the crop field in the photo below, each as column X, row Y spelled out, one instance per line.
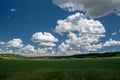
column 60, row 69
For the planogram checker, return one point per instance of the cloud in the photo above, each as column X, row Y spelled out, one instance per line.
column 15, row 46
column 78, row 22
column 114, row 33
column 47, row 44
column 66, row 49
column 63, row 47
column 6, row 52
column 42, row 51
column 2, row 43
column 15, row 43
column 119, row 30
column 13, row 10
column 28, row 49
column 93, row 47
column 92, row 8
column 83, row 34
column 80, row 44
column 111, row 42
column 11, row 47
column 2, row 46
column 43, row 37
column 45, row 51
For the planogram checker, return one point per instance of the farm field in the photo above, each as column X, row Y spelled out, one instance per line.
column 60, row 69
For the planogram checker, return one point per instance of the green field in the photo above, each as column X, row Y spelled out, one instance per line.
column 60, row 69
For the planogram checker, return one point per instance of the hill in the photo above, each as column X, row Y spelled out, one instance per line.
column 10, row 56
column 90, row 55
column 106, row 54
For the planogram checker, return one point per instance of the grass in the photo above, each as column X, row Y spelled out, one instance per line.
column 67, row 75
column 61, row 69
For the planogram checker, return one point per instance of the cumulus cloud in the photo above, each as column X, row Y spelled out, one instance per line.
column 45, row 39
column 11, row 47
column 31, row 51
column 6, row 52
column 92, row 8
column 93, row 47
column 28, row 49
column 63, row 47
column 80, row 44
column 89, row 30
column 78, row 22
column 2, row 43
column 15, row 43
column 111, row 42
column 45, row 51
column 2, row 46
column 15, row 46
column 83, row 34
column 67, row 49
column 47, row 44
column 42, row 51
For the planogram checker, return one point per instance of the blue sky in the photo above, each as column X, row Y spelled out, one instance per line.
column 25, row 25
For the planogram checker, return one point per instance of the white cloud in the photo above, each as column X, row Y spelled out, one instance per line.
column 42, row 51
column 46, row 41
column 93, row 8
column 111, row 42
column 15, row 43
column 84, row 34
column 15, row 46
column 77, row 22
column 44, row 37
column 13, row 10
column 28, row 49
column 2, row 43
column 6, row 52
column 45, row 51
column 3, row 47
column 63, row 48
column 114, row 33
column 93, row 47
column 80, row 44
column 47, row 44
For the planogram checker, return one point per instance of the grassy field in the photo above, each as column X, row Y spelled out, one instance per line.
column 60, row 69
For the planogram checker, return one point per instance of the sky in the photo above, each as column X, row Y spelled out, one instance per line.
column 59, row 27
